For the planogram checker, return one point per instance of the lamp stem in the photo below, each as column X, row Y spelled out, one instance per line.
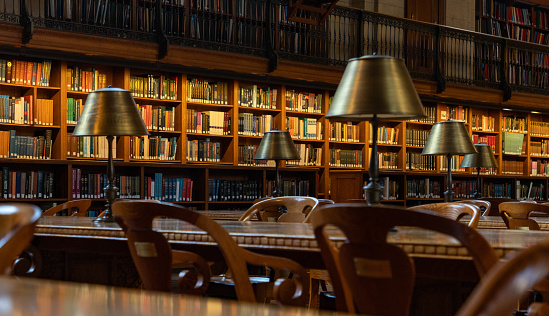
column 477, row 192
column 276, row 191
column 449, row 194
column 373, row 189
column 110, row 189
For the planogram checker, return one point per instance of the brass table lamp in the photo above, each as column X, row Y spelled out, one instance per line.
column 110, row 112
column 276, row 145
column 375, row 88
column 483, row 159
column 449, row 138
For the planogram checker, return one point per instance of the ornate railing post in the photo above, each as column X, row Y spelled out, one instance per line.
column 441, row 81
column 161, row 38
column 26, row 23
column 507, row 92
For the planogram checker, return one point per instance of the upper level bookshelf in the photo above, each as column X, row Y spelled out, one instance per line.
column 520, row 20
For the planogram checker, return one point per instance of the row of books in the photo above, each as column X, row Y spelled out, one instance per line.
column 203, row 150
column 455, row 163
column 514, row 124
column 252, row 125
column 529, row 191
column 497, row 190
column 303, row 102
column 158, row 117
column 204, row 91
column 387, row 160
column 423, row 188
column 154, row 87
column 539, row 148
column 74, row 110
column 539, row 128
column 386, row 135
column 390, row 190
column 345, row 158
column 157, row 187
column 23, row 110
column 539, row 168
column 489, row 140
column 431, row 113
column 308, row 156
column 344, row 132
column 208, row 122
column 497, row 28
column 464, row 189
column 153, row 147
column 513, row 167
column 304, row 128
column 25, row 72
column 91, row 185
column 26, row 147
column 256, row 97
column 89, row 147
column 456, row 113
column 85, row 80
column 234, row 190
column 246, row 154
column 484, row 123
column 290, row 187
column 415, row 161
column 26, row 184
column 417, row 137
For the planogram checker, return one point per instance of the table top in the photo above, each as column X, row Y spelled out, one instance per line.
column 287, row 236
column 41, row 297
column 497, row 222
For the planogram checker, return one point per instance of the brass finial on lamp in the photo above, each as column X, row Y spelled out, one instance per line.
column 448, row 138
column 276, row 145
column 375, row 88
column 110, row 112
column 483, row 159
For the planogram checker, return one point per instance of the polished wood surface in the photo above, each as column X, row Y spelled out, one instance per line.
column 497, row 222
column 297, row 209
column 453, row 210
column 516, row 215
column 35, row 297
column 74, row 208
column 291, row 238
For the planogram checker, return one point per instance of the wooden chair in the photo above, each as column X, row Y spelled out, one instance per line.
column 17, row 222
column 453, row 210
column 508, row 282
column 296, row 207
column 371, row 276
column 153, row 255
column 516, row 214
column 494, row 205
column 75, row 208
column 484, row 206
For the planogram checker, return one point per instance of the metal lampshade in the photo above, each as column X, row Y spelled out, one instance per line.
column 276, row 145
column 110, row 112
column 449, row 138
column 483, row 159
column 375, row 85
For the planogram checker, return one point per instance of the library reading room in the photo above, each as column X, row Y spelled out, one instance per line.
column 274, row 157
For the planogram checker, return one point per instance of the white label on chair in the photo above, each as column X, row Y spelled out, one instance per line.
column 371, row 268
column 145, row 249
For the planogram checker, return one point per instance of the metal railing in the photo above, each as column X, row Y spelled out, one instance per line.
column 262, row 28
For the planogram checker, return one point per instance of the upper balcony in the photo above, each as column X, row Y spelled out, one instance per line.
column 260, row 30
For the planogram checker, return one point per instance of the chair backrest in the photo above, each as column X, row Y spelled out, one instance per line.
column 17, row 222
column 153, row 257
column 297, row 208
column 516, row 214
column 75, row 208
column 453, row 210
column 494, row 204
column 484, row 206
column 371, row 276
column 508, row 282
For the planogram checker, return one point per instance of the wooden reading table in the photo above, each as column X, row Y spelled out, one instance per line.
column 36, row 297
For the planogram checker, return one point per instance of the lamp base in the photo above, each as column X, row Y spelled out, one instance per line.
column 105, row 219
column 449, row 196
column 373, row 192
